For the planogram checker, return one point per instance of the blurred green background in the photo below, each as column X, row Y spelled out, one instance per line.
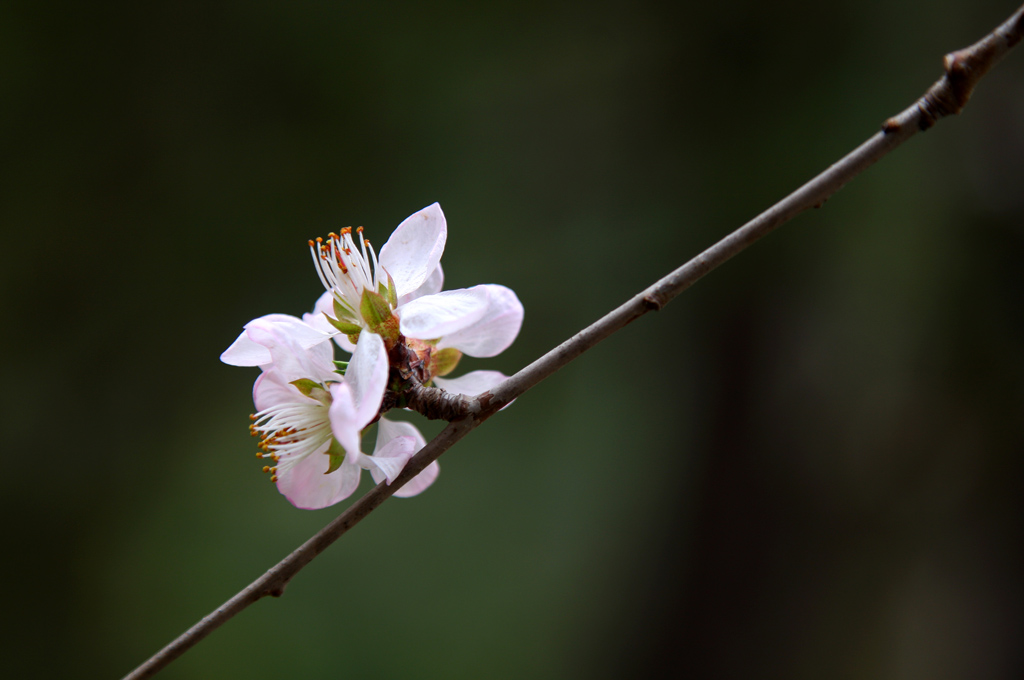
column 807, row 466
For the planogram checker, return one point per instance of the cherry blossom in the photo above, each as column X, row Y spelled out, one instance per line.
column 310, row 420
column 399, row 297
column 390, row 312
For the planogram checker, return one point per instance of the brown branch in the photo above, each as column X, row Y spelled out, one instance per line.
column 964, row 68
column 437, row 404
column 274, row 581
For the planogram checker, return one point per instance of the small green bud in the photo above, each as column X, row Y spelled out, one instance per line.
column 444, row 361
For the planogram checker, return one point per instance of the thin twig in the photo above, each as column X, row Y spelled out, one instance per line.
column 963, row 69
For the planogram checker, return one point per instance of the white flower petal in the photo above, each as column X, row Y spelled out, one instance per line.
column 306, row 486
column 244, row 352
column 356, row 400
column 367, row 375
column 420, row 482
column 471, row 384
column 317, row 320
column 495, row 330
column 288, row 351
column 433, row 284
column 345, row 420
column 270, row 390
column 415, row 248
column 248, row 350
column 389, row 462
column 434, row 316
column 388, row 430
column 254, row 346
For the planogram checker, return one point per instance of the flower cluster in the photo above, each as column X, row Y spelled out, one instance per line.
column 389, row 312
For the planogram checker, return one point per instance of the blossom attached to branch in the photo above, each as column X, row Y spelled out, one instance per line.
column 310, row 419
column 403, row 333
column 398, row 296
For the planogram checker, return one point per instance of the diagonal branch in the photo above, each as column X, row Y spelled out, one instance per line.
column 963, row 69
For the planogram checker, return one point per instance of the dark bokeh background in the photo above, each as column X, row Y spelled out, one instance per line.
column 807, row 466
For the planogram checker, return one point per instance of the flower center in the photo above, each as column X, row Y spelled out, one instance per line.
column 290, row 432
column 347, row 270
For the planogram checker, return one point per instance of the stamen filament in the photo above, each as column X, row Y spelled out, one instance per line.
column 346, row 270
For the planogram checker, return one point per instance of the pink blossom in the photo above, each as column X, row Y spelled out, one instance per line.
column 310, row 420
column 405, row 284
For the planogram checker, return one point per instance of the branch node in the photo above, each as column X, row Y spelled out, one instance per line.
column 891, row 126
column 435, row 403
column 653, row 302
column 486, row 408
column 964, row 68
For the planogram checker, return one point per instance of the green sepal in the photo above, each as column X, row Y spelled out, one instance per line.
column 341, row 367
column 336, row 454
column 313, row 390
column 378, row 317
column 392, row 293
column 445, row 360
column 342, row 310
column 343, row 326
column 306, row 386
column 375, row 309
